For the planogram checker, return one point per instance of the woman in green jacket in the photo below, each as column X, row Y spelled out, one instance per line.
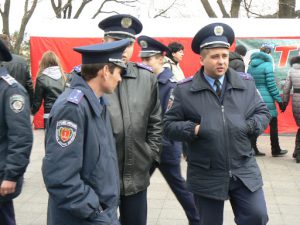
column 261, row 68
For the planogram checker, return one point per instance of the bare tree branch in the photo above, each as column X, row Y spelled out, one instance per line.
column 222, row 8
column 163, row 11
column 79, row 11
column 122, row 2
column 27, row 15
column 210, row 12
column 57, row 8
column 67, row 9
column 100, row 8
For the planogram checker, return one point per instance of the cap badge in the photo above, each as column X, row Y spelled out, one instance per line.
column 218, row 30
column 126, row 22
column 143, row 44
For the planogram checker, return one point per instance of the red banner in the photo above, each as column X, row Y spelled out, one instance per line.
column 63, row 47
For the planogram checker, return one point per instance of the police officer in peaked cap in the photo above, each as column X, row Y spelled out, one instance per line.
column 216, row 112
column 152, row 54
column 80, row 168
column 136, row 120
column 15, row 139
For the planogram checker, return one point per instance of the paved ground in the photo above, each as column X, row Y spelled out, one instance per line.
column 281, row 178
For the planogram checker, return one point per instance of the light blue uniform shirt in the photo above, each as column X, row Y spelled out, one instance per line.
column 211, row 81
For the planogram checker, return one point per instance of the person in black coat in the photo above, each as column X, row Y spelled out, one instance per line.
column 15, row 139
column 236, row 58
column 50, row 83
column 152, row 55
column 18, row 68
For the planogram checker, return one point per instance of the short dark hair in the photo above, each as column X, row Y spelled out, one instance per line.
column 89, row 71
column 173, row 48
column 295, row 59
column 241, row 50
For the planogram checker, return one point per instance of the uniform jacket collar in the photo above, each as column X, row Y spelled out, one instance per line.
column 233, row 80
column 164, row 76
column 130, row 71
column 78, row 83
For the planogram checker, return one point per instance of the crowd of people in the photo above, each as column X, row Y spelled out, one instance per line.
column 111, row 123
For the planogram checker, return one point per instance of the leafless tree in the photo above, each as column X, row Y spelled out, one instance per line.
column 29, row 8
column 5, row 17
column 63, row 9
column 286, row 9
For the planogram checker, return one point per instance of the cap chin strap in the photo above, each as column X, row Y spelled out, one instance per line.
column 118, row 62
column 214, row 44
column 113, row 34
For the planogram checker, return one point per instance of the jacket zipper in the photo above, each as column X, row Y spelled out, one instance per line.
column 228, row 158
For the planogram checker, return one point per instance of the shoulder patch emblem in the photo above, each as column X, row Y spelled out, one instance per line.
column 16, row 103
column 143, row 66
column 185, row 80
column 171, row 100
column 75, row 96
column 65, row 132
column 9, row 79
column 245, row 76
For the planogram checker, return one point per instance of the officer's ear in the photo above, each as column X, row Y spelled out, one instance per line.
column 105, row 72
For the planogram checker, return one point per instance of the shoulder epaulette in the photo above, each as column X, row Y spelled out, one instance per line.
column 75, row 96
column 9, row 79
column 77, row 69
column 172, row 79
column 245, row 76
column 185, row 80
column 143, row 66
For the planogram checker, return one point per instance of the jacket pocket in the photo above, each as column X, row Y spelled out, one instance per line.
column 241, row 160
column 204, row 163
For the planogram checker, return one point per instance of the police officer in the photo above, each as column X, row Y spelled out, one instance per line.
column 15, row 139
column 80, row 167
column 152, row 54
column 216, row 112
column 136, row 120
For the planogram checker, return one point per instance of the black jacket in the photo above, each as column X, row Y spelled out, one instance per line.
column 236, row 62
column 137, row 126
column 222, row 148
column 48, row 87
column 18, row 68
column 15, row 131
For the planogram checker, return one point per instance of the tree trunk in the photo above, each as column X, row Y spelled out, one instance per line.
column 26, row 17
column 5, row 17
column 286, row 8
column 210, row 12
column 235, row 8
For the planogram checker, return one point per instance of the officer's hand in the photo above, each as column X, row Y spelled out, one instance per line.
column 7, row 187
column 282, row 106
column 197, row 129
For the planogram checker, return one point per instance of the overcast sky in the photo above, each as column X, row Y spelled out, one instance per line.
column 144, row 9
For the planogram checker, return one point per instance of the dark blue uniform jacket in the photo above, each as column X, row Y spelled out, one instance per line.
column 15, row 131
column 222, row 148
column 171, row 151
column 80, row 167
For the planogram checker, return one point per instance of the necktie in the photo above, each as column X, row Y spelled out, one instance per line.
column 218, row 87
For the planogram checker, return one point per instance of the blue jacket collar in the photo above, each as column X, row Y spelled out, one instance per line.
column 164, row 76
column 79, row 83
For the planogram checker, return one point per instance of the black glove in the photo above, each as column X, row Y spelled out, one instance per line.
column 282, row 106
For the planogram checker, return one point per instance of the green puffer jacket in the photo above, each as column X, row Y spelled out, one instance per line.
column 261, row 68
